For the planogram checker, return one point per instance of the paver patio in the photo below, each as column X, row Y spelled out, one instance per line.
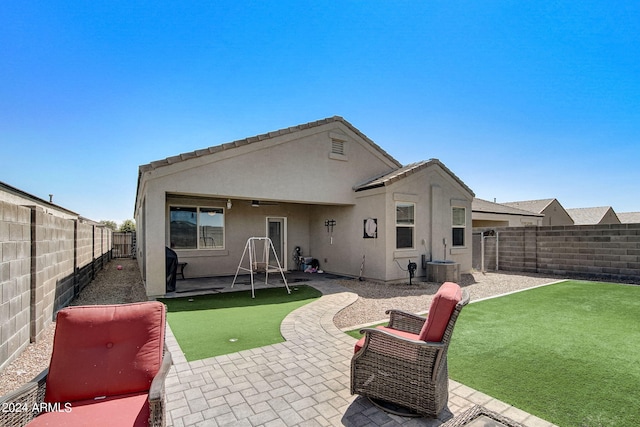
column 303, row 381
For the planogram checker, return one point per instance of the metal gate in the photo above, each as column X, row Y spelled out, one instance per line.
column 485, row 251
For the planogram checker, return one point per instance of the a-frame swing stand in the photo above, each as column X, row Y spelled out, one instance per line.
column 262, row 266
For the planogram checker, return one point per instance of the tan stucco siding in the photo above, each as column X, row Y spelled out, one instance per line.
column 610, row 218
column 301, row 178
column 342, row 251
column 435, row 193
column 242, row 222
column 296, row 169
column 482, row 219
column 554, row 214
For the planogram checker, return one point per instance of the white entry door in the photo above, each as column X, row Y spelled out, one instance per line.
column 277, row 232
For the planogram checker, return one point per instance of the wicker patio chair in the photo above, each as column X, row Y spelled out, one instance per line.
column 405, row 363
column 108, row 367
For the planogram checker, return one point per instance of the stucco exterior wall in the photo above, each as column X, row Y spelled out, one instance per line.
column 481, row 219
column 554, row 214
column 297, row 167
column 435, row 194
column 298, row 176
column 371, row 204
column 610, row 218
column 241, row 222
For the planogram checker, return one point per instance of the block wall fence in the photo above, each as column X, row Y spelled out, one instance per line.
column 45, row 261
column 603, row 252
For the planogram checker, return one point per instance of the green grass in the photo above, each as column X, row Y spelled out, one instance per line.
column 567, row 352
column 212, row 325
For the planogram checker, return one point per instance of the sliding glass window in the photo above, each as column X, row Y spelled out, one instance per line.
column 196, row 227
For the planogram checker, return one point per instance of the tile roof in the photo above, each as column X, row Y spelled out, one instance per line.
column 588, row 216
column 241, row 142
column 629, row 217
column 403, row 172
column 485, row 206
column 535, row 206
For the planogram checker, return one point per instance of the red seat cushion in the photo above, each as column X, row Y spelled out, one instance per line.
column 128, row 410
column 105, row 350
column 440, row 310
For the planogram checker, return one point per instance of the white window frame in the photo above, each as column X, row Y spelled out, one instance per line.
column 455, row 226
column 198, row 236
column 411, row 225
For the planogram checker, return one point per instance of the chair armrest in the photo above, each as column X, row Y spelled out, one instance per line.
column 405, row 321
column 156, row 392
column 19, row 407
column 380, row 335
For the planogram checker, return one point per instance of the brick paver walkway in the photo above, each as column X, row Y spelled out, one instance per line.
column 303, row 381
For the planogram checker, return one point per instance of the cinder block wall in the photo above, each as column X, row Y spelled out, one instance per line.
column 15, row 279
column 608, row 252
column 45, row 261
column 53, row 257
column 603, row 251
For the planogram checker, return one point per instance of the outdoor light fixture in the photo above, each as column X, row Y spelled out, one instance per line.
column 229, row 204
column 255, row 203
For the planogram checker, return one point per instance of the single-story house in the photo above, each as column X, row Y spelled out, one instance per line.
column 593, row 216
column 491, row 214
column 323, row 187
column 554, row 213
column 18, row 197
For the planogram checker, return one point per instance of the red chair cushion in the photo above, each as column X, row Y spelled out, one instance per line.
column 440, row 310
column 105, row 350
column 129, row 410
column 404, row 334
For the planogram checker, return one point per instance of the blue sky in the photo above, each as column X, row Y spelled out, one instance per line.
column 521, row 100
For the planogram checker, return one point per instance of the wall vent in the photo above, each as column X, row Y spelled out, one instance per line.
column 337, row 147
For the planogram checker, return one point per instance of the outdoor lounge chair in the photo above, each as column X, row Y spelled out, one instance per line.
column 108, row 368
column 405, row 363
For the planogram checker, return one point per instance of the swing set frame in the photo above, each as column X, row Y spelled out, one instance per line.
column 262, row 266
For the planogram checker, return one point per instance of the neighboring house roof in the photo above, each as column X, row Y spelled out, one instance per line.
column 589, row 216
column 38, row 201
column 405, row 171
column 231, row 145
column 629, row 217
column 485, row 206
column 535, row 206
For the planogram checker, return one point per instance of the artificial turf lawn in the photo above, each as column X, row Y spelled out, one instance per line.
column 212, row 325
column 567, row 352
